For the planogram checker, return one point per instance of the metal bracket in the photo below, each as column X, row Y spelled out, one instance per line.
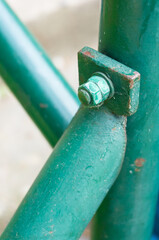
column 126, row 81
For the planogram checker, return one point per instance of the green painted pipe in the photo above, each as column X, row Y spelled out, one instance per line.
column 129, row 32
column 33, row 79
column 75, row 179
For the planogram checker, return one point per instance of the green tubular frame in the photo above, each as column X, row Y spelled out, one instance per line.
column 75, row 179
column 129, row 33
column 33, row 79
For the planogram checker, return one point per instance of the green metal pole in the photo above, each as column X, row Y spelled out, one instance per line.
column 129, row 32
column 33, row 79
column 156, row 225
column 75, row 179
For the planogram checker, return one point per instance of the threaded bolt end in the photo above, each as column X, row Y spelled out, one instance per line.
column 96, row 90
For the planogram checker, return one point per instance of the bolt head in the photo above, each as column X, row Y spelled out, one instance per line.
column 102, row 84
column 93, row 91
column 96, row 90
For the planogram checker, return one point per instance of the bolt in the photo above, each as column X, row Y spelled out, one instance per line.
column 96, row 90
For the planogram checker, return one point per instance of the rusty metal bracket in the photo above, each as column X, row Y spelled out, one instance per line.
column 126, row 81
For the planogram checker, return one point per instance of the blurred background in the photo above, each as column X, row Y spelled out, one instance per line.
column 62, row 27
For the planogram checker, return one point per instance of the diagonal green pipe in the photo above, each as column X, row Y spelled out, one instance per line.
column 31, row 76
column 58, row 204
column 75, row 179
column 129, row 32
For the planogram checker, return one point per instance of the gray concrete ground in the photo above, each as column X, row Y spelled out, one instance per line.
column 62, row 27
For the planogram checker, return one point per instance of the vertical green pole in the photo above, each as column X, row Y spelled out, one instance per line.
column 129, row 32
column 156, row 225
column 34, row 80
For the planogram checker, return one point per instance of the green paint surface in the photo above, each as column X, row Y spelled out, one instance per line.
column 75, row 179
column 31, row 76
column 129, row 33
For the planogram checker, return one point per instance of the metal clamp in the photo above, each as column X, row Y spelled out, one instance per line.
column 104, row 80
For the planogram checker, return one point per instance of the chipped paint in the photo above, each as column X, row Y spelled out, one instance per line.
column 87, row 53
column 42, row 105
column 139, row 162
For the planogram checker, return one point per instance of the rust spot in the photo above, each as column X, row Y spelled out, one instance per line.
column 136, row 75
column 131, row 83
column 42, row 105
column 87, row 53
column 139, row 162
column 137, row 170
column 130, row 80
column 113, row 69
